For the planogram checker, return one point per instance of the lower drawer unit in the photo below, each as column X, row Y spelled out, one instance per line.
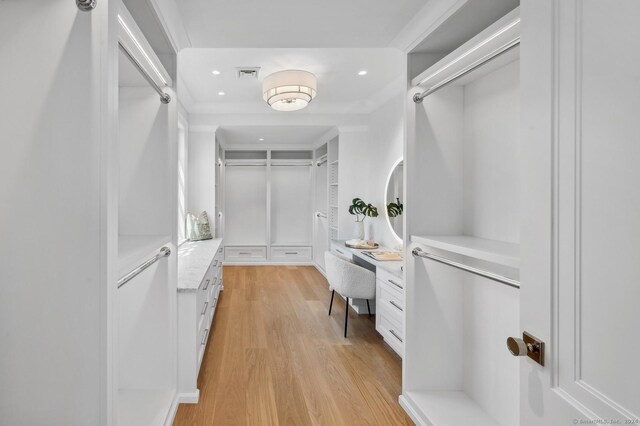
column 290, row 253
column 390, row 303
column 245, row 253
column 392, row 332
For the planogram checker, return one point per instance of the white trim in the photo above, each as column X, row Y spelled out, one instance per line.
column 173, row 409
column 189, row 397
column 409, row 407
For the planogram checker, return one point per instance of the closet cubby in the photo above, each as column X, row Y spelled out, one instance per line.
column 463, row 165
column 333, row 154
column 291, row 155
column 245, row 155
column 145, row 320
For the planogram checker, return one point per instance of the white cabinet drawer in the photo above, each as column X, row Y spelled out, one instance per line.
column 391, row 304
column 340, row 249
column 245, row 253
column 290, row 253
column 393, row 334
column 389, row 280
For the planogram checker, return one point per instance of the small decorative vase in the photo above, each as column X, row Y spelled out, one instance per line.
column 358, row 230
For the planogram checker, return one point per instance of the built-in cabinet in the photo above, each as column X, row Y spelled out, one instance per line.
column 463, row 183
column 268, row 206
column 326, row 187
column 199, row 285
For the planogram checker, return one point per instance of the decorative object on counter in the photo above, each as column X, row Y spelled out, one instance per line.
column 198, row 228
column 359, row 208
column 361, row 244
column 383, row 255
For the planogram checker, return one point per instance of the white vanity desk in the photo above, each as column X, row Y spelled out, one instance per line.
column 389, row 307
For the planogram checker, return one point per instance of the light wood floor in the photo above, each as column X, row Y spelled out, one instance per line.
column 276, row 358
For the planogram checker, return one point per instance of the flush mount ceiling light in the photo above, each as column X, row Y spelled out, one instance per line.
column 289, row 90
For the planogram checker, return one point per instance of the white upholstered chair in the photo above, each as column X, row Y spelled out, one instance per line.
column 350, row 281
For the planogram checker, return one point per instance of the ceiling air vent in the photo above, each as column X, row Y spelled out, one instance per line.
column 247, row 73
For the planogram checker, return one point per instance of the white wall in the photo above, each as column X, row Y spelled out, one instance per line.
column 384, row 147
column 201, row 170
column 53, row 292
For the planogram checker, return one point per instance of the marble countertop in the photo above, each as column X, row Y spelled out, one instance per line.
column 194, row 258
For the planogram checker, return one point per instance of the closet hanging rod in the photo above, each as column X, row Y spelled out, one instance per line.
column 164, row 98
column 322, row 160
column 86, row 5
column 486, row 274
column 164, row 252
column 419, row 97
column 320, row 214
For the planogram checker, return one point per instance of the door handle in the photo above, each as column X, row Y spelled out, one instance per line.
column 527, row 346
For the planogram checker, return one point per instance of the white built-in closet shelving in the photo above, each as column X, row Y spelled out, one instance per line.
column 145, row 356
column 463, row 168
column 321, row 220
column 268, row 206
column 333, row 184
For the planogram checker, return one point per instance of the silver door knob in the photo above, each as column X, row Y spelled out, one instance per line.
column 527, row 346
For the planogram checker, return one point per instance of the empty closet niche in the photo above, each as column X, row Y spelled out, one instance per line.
column 333, row 185
column 146, row 370
column 144, row 215
column 291, row 206
column 245, row 205
column 465, row 165
column 321, row 219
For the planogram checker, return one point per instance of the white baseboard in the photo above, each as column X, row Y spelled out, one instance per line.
column 171, row 415
column 189, row 397
column 320, row 269
column 407, row 405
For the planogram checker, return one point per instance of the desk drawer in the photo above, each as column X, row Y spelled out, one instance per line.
column 388, row 280
column 393, row 334
column 245, row 253
column 391, row 304
column 290, row 253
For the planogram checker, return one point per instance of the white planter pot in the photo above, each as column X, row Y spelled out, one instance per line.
column 358, row 231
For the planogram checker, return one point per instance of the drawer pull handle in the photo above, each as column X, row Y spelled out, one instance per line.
column 204, row 310
column 215, row 263
column 242, row 253
column 394, row 335
column 395, row 305
column 204, row 338
column 206, row 284
column 290, row 252
column 396, row 284
column 339, row 251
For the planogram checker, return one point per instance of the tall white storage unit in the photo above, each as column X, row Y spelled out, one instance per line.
column 245, row 204
column 145, row 360
column 321, row 219
column 268, row 206
column 463, row 162
column 333, row 185
column 291, row 205
column 93, row 157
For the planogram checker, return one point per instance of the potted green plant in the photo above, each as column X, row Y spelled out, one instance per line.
column 361, row 210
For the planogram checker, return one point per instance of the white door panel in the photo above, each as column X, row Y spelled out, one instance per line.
column 580, row 271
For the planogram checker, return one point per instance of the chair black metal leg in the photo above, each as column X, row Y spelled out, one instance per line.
column 331, row 304
column 346, row 316
column 368, row 307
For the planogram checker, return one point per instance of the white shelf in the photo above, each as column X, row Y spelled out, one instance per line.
column 446, row 408
column 334, row 207
column 498, row 252
column 334, row 228
column 143, row 406
column 333, row 184
column 333, row 162
column 133, row 249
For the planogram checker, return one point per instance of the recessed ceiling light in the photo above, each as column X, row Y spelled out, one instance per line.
column 261, row 139
column 363, row 72
column 221, row 93
column 215, row 72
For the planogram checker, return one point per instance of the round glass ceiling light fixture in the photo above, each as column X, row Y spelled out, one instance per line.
column 289, row 90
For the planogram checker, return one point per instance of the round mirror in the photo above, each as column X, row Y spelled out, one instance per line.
column 394, row 205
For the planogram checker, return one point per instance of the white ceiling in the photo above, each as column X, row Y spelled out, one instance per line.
column 296, row 23
column 340, row 88
column 272, row 135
